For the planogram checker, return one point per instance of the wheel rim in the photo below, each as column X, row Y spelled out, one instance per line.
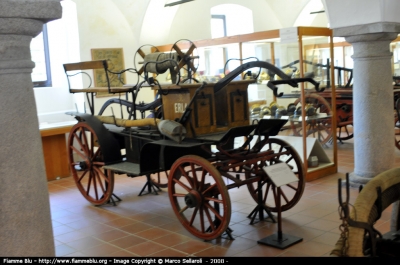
column 94, row 183
column 344, row 114
column 160, row 179
column 345, row 132
column 290, row 193
column 321, row 129
column 199, row 197
column 397, row 132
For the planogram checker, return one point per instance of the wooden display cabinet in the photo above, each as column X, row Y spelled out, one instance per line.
column 55, row 151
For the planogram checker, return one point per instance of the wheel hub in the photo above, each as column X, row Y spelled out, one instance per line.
column 83, row 165
column 193, row 199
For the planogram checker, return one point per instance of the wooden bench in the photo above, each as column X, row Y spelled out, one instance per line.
column 70, row 71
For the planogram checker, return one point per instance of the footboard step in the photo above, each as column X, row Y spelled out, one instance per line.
column 125, row 167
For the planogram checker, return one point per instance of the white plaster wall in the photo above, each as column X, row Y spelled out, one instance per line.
column 192, row 20
column 305, row 18
column 359, row 12
column 186, row 25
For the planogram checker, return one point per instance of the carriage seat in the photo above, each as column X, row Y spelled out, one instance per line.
column 70, row 71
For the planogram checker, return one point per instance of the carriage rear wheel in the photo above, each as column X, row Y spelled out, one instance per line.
column 86, row 162
column 319, row 128
column 199, row 197
column 160, row 179
column 397, row 132
column 291, row 192
column 344, row 131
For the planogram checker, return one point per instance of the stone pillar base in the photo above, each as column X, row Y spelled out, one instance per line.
column 355, row 180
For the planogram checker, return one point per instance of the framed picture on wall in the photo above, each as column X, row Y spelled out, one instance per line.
column 115, row 61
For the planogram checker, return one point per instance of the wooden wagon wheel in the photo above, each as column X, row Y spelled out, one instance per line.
column 86, row 163
column 345, row 131
column 367, row 210
column 344, row 114
column 160, row 179
column 290, row 193
column 199, row 197
column 138, row 58
column 320, row 128
column 397, row 132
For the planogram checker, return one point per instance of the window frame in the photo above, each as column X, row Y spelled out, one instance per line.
column 48, row 81
column 223, row 17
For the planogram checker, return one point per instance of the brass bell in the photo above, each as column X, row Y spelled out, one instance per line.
column 291, row 109
column 265, row 111
column 310, row 110
column 288, row 72
column 280, row 111
column 263, row 76
column 273, row 106
column 255, row 110
column 297, row 112
column 296, row 74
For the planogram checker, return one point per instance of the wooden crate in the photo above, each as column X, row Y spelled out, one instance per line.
column 233, row 107
column 211, row 112
column 202, row 118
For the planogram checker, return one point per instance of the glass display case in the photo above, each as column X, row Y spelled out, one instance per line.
column 305, row 57
column 307, row 106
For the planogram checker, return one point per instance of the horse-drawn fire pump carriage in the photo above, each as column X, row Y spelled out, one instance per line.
column 190, row 137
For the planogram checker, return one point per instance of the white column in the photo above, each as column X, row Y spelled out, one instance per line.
column 373, row 105
column 25, row 221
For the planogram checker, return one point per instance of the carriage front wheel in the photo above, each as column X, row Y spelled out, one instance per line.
column 199, row 197
column 86, row 163
column 291, row 192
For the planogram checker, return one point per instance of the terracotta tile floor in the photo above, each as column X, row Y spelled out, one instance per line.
column 147, row 226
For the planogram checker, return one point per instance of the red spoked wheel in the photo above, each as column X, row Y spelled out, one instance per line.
column 86, row 163
column 396, row 132
column 344, row 127
column 318, row 126
column 344, row 131
column 160, row 179
column 199, row 197
column 290, row 193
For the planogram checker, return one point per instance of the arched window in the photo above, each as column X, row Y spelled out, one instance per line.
column 230, row 13
column 225, row 22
